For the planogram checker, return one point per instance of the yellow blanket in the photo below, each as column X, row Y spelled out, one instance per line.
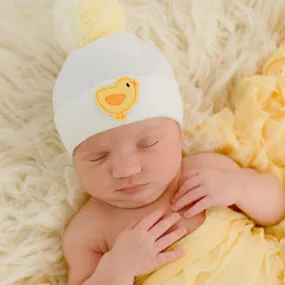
column 227, row 248
column 253, row 134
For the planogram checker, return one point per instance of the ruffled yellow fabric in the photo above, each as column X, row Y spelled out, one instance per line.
column 253, row 133
column 226, row 249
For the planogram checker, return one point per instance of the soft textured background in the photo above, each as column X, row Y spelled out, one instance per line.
column 210, row 43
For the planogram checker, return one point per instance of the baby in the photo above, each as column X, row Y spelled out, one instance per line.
column 119, row 114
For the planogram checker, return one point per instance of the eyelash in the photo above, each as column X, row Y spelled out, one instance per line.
column 151, row 145
column 99, row 159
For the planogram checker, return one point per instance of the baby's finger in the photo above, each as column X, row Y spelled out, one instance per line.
column 198, row 208
column 150, row 220
column 165, row 257
column 188, row 175
column 169, row 239
column 188, row 185
column 189, row 198
column 162, row 226
column 131, row 225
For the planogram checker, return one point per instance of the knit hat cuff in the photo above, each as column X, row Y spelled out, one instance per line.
column 84, row 116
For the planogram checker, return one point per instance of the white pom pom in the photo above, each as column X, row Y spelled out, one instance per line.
column 79, row 22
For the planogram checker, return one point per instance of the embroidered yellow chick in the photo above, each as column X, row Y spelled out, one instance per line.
column 116, row 100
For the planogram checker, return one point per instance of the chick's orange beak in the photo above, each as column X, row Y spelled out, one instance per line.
column 135, row 83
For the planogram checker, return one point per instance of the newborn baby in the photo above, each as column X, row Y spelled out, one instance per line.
column 119, row 114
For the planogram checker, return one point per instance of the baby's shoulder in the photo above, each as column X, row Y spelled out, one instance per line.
column 84, row 230
column 208, row 160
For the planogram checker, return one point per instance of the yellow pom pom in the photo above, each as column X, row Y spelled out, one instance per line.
column 79, row 22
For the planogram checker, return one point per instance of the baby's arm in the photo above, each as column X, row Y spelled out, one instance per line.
column 262, row 196
column 87, row 264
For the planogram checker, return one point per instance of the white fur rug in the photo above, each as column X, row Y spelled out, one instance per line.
column 210, row 44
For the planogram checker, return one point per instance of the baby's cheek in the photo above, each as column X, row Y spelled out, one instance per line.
column 168, row 170
column 158, row 164
column 164, row 166
column 92, row 181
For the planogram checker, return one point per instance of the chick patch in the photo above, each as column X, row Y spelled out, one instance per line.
column 118, row 99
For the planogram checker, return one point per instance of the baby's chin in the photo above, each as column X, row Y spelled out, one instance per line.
column 138, row 200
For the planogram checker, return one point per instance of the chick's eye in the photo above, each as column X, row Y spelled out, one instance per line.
column 128, row 85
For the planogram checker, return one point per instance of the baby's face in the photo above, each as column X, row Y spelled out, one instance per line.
column 130, row 166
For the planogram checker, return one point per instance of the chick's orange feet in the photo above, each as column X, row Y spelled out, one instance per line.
column 120, row 117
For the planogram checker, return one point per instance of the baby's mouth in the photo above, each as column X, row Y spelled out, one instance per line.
column 132, row 189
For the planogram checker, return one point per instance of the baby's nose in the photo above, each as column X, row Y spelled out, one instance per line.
column 126, row 166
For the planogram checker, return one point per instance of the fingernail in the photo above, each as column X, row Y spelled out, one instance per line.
column 184, row 230
column 187, row 216
column 176, row 215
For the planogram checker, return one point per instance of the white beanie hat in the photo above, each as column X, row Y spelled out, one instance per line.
column 115, row 80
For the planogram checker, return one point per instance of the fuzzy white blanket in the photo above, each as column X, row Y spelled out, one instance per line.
column 210, row 44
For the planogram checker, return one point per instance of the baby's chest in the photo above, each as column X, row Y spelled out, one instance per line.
column 117, row 225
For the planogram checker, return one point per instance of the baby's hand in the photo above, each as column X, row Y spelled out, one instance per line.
column 207, row 188
column 139, row 247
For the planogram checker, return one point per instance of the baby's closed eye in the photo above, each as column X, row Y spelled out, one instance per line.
column 100, row 157
column 148, row 142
